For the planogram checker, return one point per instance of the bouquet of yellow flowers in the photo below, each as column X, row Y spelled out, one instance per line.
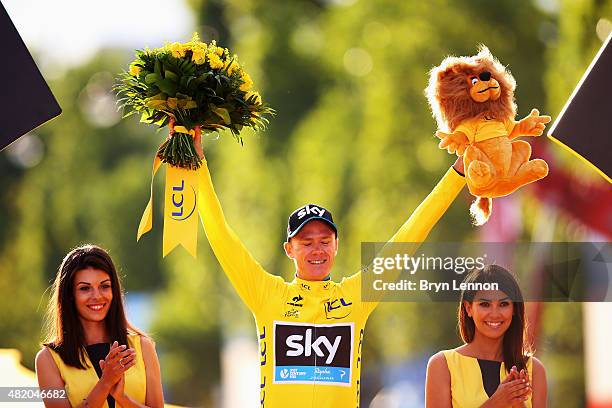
column 190, row 84
column 193, row 87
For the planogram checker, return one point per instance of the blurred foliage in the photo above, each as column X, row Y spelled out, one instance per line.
column 352, row 133
column 81, row 191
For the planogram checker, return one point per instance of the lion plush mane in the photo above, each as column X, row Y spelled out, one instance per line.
column 448, row 90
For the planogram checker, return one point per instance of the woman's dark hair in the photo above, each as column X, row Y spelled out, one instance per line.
column 63, row 326
column 516, row 348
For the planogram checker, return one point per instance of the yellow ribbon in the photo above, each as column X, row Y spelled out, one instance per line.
column 180, row 215
column 180, row 209
column 183, row 129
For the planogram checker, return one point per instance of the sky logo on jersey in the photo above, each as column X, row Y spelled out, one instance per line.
column 313, row 353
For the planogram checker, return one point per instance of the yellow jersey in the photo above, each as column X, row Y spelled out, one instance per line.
column 310, row 332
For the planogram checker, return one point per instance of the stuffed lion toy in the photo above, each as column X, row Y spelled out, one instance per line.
column 472, row 99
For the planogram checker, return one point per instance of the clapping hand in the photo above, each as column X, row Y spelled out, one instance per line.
column 513, row 391
column 118, row 360
column 522, row 375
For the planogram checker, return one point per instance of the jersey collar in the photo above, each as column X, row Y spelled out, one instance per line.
column 314, row 287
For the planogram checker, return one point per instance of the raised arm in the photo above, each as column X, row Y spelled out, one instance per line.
column 247, row 276
column 427, row 214
column 422, row 220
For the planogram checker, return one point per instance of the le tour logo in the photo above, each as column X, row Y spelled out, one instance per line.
column 183, row 203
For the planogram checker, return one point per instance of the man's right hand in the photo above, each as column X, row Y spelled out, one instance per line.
column 197, row 138
column 459, row 166
column 197, row 141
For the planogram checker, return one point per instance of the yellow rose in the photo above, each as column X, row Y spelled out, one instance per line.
column 135, row 70
column 214, row 61
column 195, row 38
column 248, row 82
column 231, row 66
column 198, row 55
column 177, row 50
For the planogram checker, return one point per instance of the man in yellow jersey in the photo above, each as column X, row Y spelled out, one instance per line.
column 311, row 329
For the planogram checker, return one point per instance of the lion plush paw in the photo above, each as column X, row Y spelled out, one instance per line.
column 528, row 172
column 480, row 174
column 531, row 171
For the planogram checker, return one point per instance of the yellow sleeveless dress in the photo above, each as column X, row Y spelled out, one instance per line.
column 467, row 390
column 79, row 383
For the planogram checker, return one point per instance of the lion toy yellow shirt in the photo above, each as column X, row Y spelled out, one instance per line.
column 484, row 128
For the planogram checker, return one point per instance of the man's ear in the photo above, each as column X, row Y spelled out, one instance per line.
column 288, row 249
column 337, row 245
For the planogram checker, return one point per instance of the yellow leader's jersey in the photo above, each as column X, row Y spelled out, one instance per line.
column 310, row 332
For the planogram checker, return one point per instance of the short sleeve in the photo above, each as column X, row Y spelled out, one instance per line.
column 509, row 124
column 468, row 128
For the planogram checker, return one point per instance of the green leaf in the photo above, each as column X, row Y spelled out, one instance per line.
column 222, row 113
column 152, row 78
column 145, row 118
column 167, row 86
column 170, row 75
column 204, row 76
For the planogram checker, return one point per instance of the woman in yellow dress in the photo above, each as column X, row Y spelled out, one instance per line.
column 92, row 354
column 494, row 368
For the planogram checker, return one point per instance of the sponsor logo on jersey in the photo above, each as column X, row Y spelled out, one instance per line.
column 295, row 301
column 292, row 313
column 263, row 361
column 337, row 308
column 313, row 353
